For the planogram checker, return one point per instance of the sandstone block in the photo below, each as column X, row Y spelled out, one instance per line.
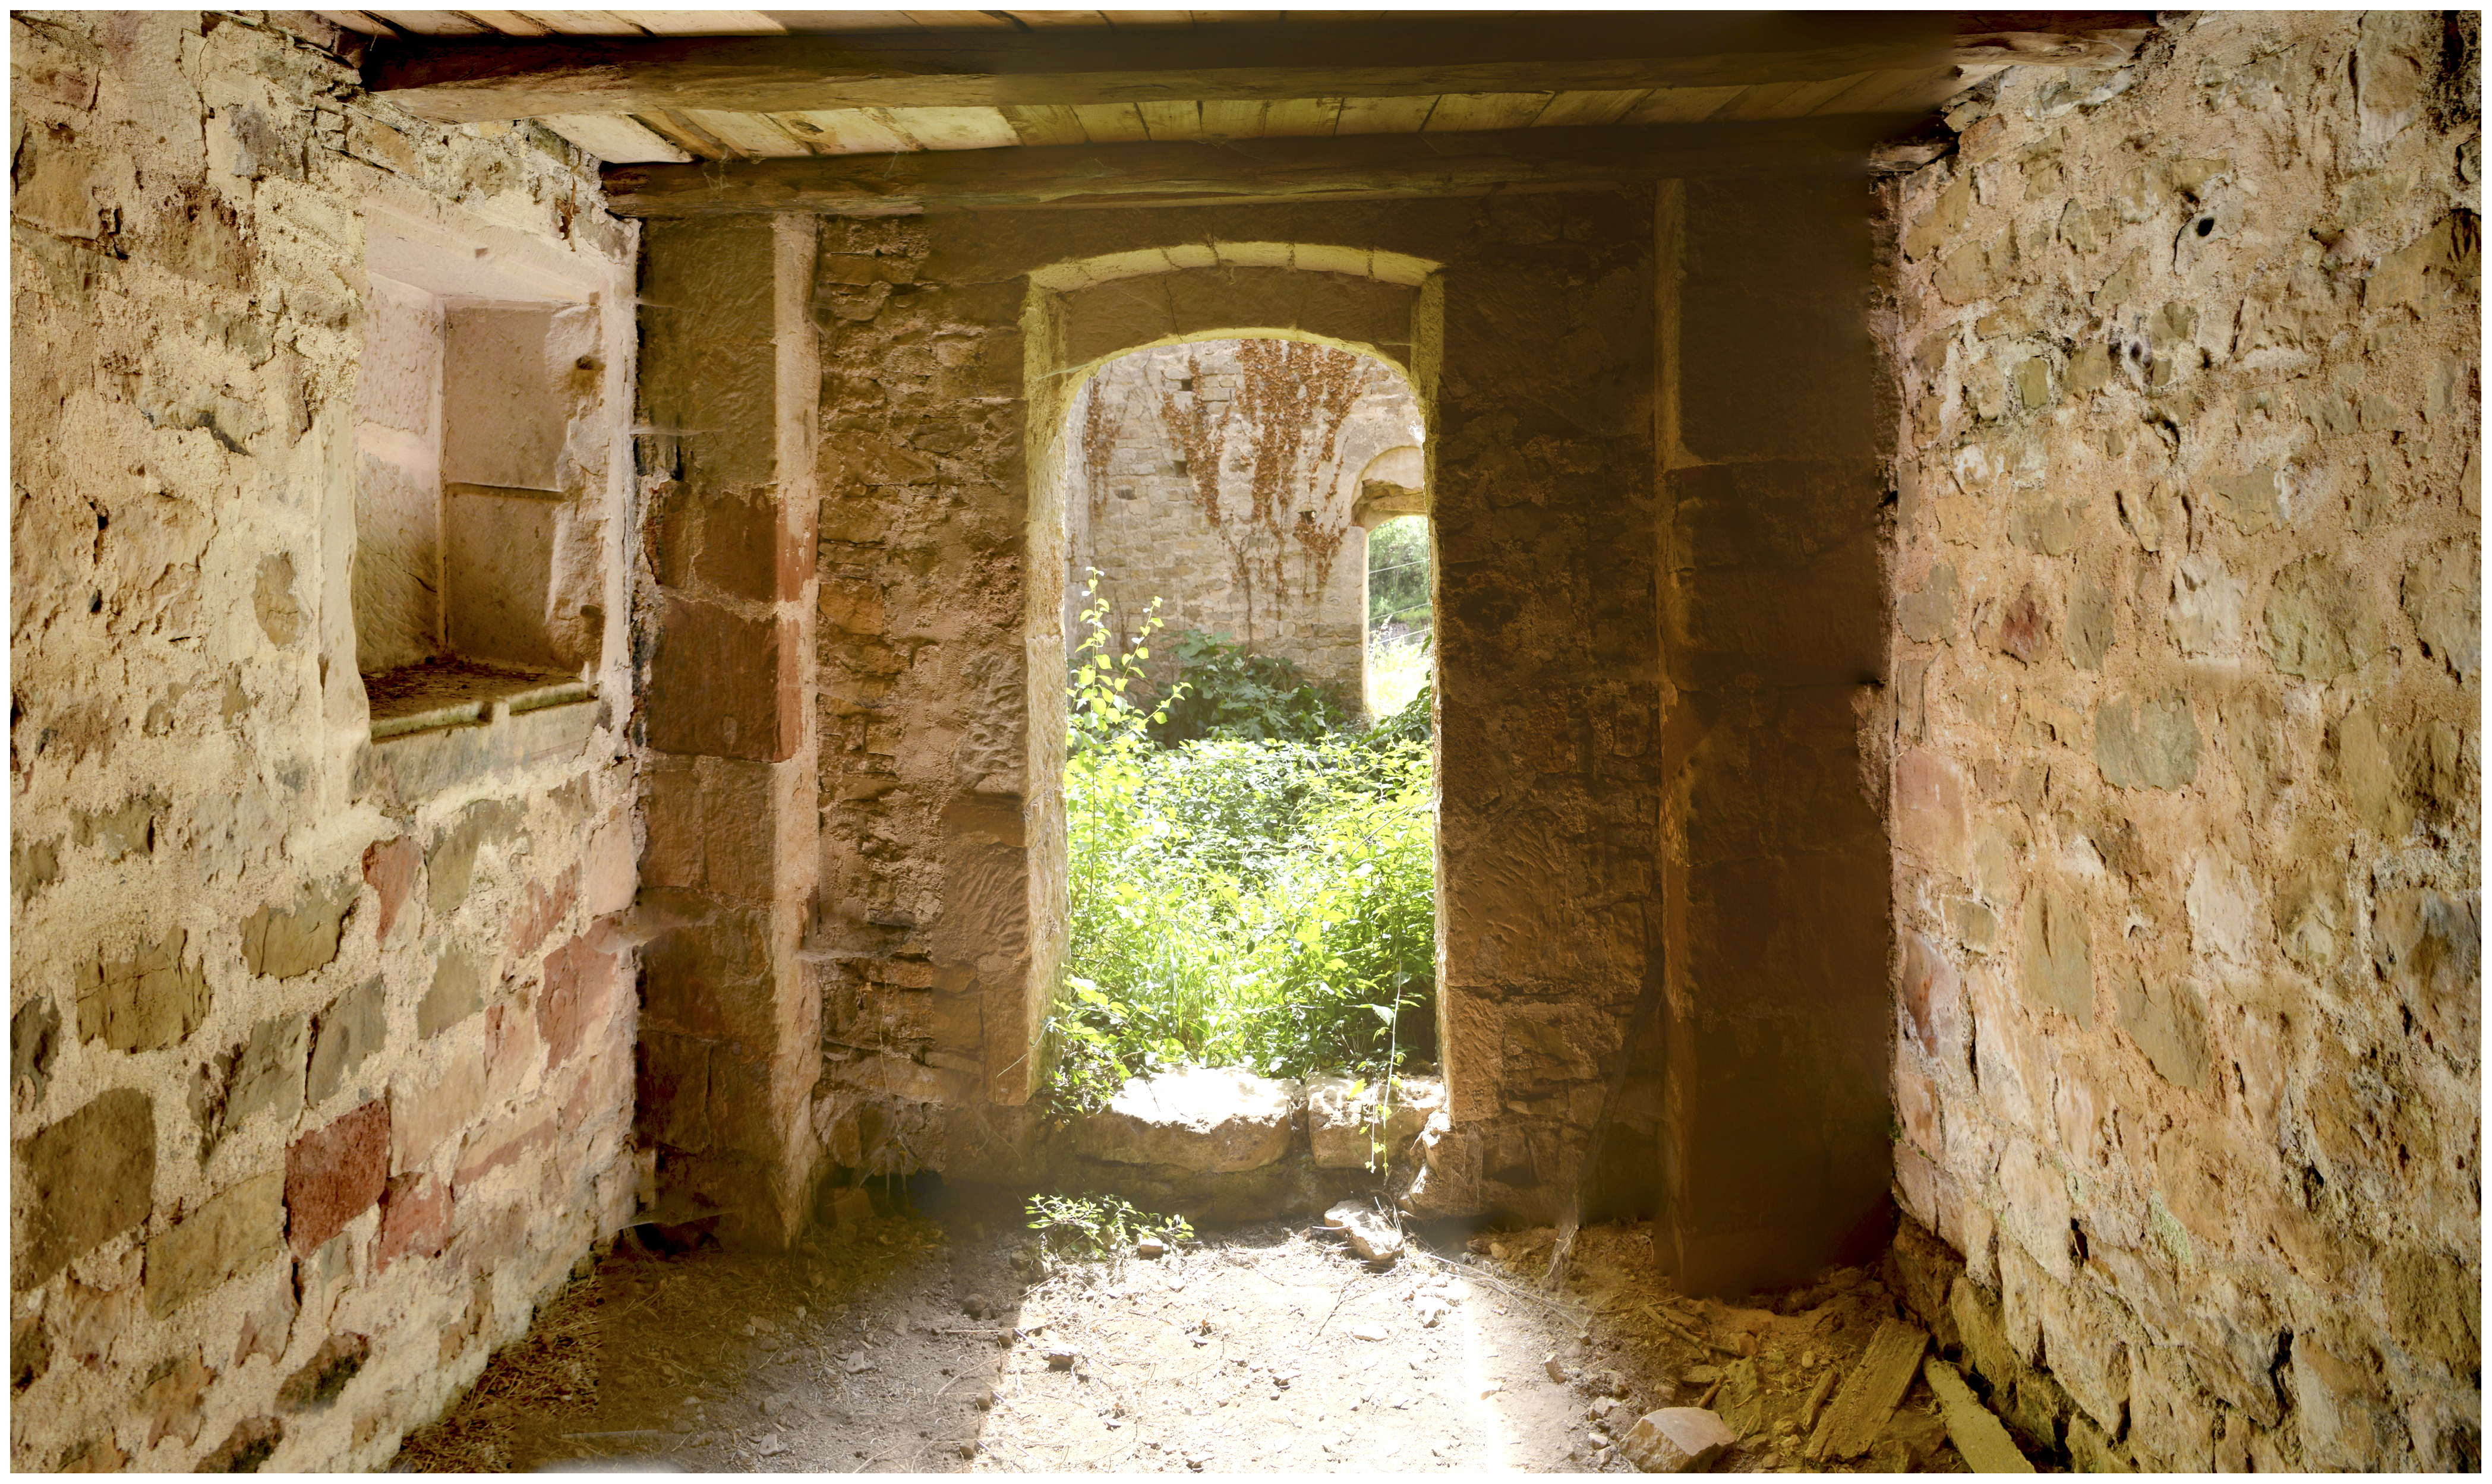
column 2090, row 625
column 171, row 1397
column 578, row 995
column 458, row 992
column 422, row 1116
column 335, row 1174
column 2168, row 1022
column 450, row 862
column 2432, row 1300
column 389, row 870
column 80, row 1184
column 246, row 1448
column 290, row 944
column 2059, row 955
column 2146, row 744
column 721, row 685
column 417, row 1212
column 1198, row 1118
column 264, row 1071
column 349, row 1030
column 2320, row 620
column 340, row 1359
column 232, row 1233
column 2442, row 595
column 1676, row 1440
column 148, row 1003
column 1929, row 805
column 1342, row 1118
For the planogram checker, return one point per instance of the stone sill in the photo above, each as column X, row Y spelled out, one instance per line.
column 443, row 694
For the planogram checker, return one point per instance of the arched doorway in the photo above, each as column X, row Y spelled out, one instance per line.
column 1251, row 847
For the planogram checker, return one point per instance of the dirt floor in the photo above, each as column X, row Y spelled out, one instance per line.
column 940, row 1337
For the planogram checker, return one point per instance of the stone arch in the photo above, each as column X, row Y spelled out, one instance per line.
column 1394, row 483
column 1079, row 313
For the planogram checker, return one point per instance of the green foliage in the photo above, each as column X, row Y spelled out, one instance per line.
column 1099, row 1226
column 1241, row 903
column 1224, row 691
column 1396, row 571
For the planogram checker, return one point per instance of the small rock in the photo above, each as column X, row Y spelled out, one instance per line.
column 984, row 1399
column 1058, row 1358
column 1372, row 1236
column 1492, row 1387
column 770, row 1444
column 1556, row 1369
column 1677, row 1439
column 976, row 1307
column 1431, row 1312
column 1701, row 1374
column 773, row 1405
column 1150, row 1247
column 856, row 1363
column 1367, row 1331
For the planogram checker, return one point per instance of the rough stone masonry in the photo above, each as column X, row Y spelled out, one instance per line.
column 320, row 1048
column 517, row 716
column 2186, row 771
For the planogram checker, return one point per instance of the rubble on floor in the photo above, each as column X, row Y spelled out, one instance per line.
column 901, row 1343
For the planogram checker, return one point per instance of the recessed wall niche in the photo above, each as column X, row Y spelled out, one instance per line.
column 471, row 585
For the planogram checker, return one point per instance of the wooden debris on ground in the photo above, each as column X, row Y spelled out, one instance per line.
column 1975, row 1431
column 1869, row 1395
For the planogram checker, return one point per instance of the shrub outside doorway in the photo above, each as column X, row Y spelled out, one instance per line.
column 1253, row 880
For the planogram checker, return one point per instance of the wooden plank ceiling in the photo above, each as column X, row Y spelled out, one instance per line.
column 1819, row 82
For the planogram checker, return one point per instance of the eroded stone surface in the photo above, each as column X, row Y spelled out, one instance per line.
column 1676, row 1440
column 1197, row 1119
column 85, row 1179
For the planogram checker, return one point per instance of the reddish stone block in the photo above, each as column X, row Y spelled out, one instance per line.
column 389, row 868
column 740, row 549
column 491, row 1150
column 334, row 1175
column 540, row 912
column 578, row 992
column 416, row 1217
column 721, row 685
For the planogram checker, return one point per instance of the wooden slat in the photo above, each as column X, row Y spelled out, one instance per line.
column 1301, row 118
column 683, row 134
column 1175, row 175
column 430, row 22
column 1044, row 123
column 1785, row 100
column 615, row 138
column 453, row 80
column 364, row 22
column 1590, row 110
column 703, row 22
column 1870, row 92
column 1148, row 17
column 952, row 128
column 1680, row 105
column 1977, row 1432
column 1467, row 111
column 1383, row 115
column 845, row 132
column 1867, row 1398
column 747, row 134
column 509, row 22
column 583, row 22
column 1225, row 118
column 1112, row 123
column 1163, row 119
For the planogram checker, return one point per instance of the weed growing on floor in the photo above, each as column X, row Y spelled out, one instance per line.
column 1086, row 1227
column 1225, row 693
column 1269, row 904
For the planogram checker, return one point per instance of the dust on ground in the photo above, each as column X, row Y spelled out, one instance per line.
column 943, row 1339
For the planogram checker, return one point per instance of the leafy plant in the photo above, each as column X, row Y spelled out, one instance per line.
column 1099, row 1226
column 1239, row 903
column 1225, row 691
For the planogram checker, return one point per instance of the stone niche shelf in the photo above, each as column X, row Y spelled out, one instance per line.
column 441, row 693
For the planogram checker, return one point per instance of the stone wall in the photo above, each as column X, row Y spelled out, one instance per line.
column 320, row 1048
column 951, row 349
column 2186, row 767
column 1291, row 583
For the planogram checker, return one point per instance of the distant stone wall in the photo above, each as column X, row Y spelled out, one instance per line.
column 2187, row 768
column 320, row 1049
column 1289, row 581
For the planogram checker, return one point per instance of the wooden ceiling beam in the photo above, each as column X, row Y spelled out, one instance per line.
column 472, row 80
column 1350, row 167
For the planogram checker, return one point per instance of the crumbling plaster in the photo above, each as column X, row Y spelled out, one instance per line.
column 320, row 1049
column 2185, row 754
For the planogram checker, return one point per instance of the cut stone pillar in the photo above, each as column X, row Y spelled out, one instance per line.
column 730, row 387
column 1775, row 1155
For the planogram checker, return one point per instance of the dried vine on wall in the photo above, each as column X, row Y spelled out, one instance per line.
column 1098, row 446
column 1292, row 400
